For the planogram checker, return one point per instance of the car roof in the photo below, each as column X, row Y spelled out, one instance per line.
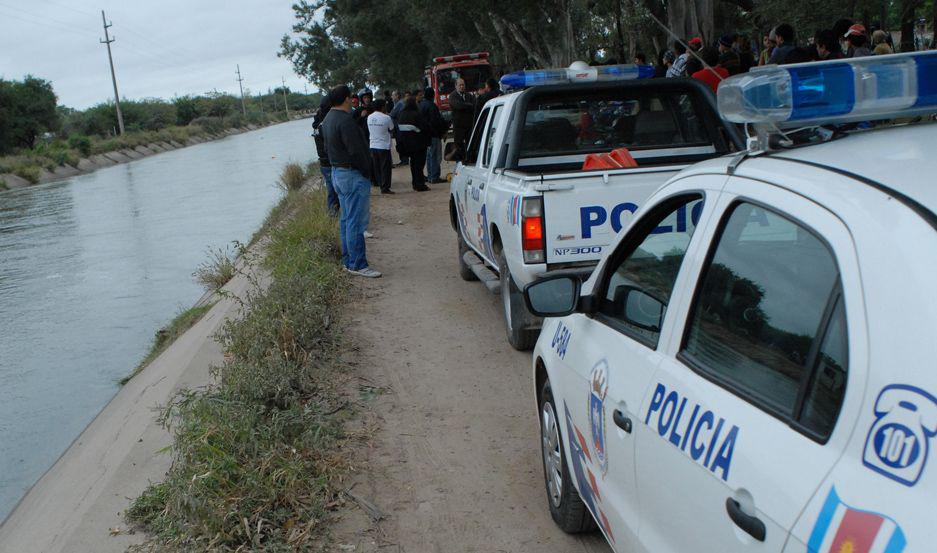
column 901, row 159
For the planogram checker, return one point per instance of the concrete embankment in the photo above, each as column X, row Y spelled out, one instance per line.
column 78, row 504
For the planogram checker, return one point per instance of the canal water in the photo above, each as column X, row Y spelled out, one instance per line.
column 92, row 266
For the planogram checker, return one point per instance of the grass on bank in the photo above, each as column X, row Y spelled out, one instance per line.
column 254, row 453
column 217, row 270
column 168, row 334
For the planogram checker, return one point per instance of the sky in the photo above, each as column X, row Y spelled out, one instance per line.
column 163, row 48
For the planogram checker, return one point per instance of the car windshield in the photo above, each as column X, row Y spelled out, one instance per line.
column 565, row 125
column 474, row 75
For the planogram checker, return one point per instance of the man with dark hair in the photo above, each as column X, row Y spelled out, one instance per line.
column 783, row 37
column 380, row 127
column 827, row 45
column 678, row 67
column 437, row 126
column 640, row 59
column 324, row 167
column 711, row 74
column 350, row 158
column 395, row 113
column 492, row 91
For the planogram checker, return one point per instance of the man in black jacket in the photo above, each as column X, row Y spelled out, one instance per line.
column 492, row 91
column 350, row 157
column 324, row 167
column 437, row 126
column 462, row 104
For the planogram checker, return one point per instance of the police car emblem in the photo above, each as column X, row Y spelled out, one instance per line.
column 898, row 442
column 597, row 394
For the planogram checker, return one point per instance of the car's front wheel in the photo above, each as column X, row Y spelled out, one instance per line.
column 566, row 507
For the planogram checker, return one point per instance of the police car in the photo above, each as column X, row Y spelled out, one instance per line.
column 753, row 365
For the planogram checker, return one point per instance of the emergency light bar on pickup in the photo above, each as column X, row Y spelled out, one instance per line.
column 837, row 91
column 575, row 73
column 461, row 57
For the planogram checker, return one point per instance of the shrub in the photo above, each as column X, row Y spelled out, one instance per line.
column 212, row 125
column 217, row 270
column 80, row 143
column 292, row 178
column 27, row 171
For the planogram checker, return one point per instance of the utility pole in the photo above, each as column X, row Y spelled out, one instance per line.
column 261, row 96
column 240, row 81
column 108, row 40
column 274, row 100
column 285, row 103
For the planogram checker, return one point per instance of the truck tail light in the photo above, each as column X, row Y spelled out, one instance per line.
column 532, row 237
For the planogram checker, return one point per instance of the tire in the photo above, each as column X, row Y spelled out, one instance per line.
column 464, row 270
column 517, row 320
column 566, row 507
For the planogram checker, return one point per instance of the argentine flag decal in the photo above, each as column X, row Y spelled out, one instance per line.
column 842, row 529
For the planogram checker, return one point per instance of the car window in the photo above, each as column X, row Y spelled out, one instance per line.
column 639, row 286
column 490, row 138
column 763, row 303
column 471, row 155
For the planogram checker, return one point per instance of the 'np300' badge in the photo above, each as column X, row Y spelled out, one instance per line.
column 597, row 412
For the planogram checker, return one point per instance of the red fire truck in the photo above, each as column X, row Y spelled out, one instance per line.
column 444, row 72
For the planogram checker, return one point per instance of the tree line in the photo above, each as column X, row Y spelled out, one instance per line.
column 389, row 42
column 30, row 113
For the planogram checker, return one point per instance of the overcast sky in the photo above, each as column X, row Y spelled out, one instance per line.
column 164, row 47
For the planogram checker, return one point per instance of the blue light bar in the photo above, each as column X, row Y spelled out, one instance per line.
column 576, row 73
column 836, row 91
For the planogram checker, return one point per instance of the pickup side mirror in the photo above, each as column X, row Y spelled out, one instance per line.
column 642, row 309
column 453, row 153
column 555, row 296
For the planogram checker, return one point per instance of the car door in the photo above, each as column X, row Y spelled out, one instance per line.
column 735, row 433
column 474, row 174
column 609, row 359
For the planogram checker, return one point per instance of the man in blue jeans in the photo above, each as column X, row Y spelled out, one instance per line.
column 350, row 157
column 437, row 125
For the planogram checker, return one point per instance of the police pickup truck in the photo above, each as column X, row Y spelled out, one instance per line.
column 523, row 204
column 763, row 379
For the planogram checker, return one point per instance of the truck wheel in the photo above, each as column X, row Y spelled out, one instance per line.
column 566, row 507
column 464, row 270
column 517, row 319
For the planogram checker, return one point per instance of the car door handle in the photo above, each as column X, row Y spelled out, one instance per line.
column 750, row 524
column 621, row 421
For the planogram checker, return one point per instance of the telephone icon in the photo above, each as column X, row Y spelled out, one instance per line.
column 898, row 442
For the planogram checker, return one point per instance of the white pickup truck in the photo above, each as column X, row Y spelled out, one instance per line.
column 521, row 202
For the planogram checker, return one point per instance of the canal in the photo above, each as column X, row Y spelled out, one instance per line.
column 92, row 266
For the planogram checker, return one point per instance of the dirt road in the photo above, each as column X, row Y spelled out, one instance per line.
column 455, row 462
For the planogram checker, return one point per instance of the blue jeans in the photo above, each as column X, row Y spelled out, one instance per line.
column 433, row 159
column 354, row 195
column 332, row 198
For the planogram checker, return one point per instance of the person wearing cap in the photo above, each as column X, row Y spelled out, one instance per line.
column 857, row 41
column 695, row 43
column 331, row 199
column 437, row 128
column 783, row 37
column 349, row 155
column 726, row 42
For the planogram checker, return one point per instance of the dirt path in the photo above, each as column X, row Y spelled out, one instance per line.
column 455, row 462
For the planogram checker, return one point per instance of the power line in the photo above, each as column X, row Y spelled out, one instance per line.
column 107, row 41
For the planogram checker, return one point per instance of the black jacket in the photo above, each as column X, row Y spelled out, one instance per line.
column 430, row 113
column 414, row 132
column 462, row 105
column 345, row 143
column 321, row 151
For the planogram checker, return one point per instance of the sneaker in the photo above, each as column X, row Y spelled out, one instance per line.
column 438, row 181
column 421, row 188
column 387, row 192
column 368, row 234
column 367, row 272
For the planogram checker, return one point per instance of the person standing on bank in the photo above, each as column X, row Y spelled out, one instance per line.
column 437, row 127
column 325, row 168
column 380, row 127
column 462, row 104
column 413, row 139
column 351, row 168
column 492, row 91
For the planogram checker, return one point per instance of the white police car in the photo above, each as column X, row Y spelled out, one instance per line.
column 753, row 366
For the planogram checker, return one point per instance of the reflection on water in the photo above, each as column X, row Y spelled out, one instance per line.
column 91, row 266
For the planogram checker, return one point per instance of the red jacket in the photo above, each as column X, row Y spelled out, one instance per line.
column 706, row 75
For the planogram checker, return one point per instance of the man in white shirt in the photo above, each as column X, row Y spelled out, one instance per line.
column 380, row 127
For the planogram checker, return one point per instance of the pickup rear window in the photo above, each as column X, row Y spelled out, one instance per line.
column 564, row 125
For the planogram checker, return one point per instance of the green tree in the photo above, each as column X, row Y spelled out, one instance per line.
column 27, row 110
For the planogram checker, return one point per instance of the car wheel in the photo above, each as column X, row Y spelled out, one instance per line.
column 517, row 320
column 464, row 270
column 566, row 507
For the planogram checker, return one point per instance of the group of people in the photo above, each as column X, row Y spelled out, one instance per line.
column 734, row 53
column 354, row 135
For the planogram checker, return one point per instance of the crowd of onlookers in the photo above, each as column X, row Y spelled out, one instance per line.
column 736, row 53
